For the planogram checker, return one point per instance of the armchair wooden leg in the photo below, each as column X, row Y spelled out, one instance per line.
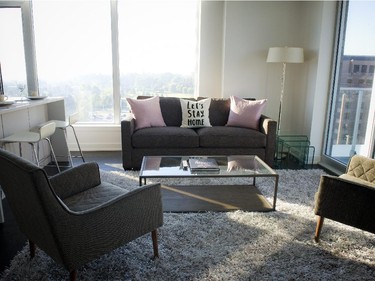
column 32, row 248
column 154, row 235
column 73, row 275
column 318, row 229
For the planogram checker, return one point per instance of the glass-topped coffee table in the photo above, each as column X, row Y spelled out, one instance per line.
column 228, row 166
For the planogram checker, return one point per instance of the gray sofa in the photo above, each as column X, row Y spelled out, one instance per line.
column 216, row 140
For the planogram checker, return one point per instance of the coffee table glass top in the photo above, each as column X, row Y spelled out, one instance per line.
column 229, row 166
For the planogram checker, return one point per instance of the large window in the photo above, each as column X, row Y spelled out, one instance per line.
column 73, row 46
column 351, row 119
column 97, row 53
column 158, row 47
column 12, row 53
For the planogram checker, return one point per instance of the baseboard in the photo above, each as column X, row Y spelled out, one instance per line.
column 106, row 137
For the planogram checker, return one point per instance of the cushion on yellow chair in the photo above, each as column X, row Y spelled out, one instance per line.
column 362, row 167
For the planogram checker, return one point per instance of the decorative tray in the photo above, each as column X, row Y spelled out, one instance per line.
column 36, row 97
column 5, row 103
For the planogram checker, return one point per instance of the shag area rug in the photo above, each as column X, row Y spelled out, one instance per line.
column 229, row 245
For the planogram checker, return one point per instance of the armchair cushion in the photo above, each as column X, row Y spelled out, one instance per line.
column 362, row 168
column 95, row 197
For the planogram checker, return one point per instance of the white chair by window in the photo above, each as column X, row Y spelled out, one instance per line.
column 63, row 125
column 33, row 137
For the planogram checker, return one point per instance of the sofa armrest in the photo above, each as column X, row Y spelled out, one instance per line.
column 127, row 130
column 128, row 123
column 268, row 127
column 346, row 201
column 76, row 179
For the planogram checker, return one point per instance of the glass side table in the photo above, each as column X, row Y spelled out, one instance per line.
column 294, row 147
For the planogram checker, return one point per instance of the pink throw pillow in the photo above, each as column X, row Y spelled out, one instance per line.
column 146, row 112
column 245, row 113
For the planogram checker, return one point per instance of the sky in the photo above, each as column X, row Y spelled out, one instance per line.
column 12, row 56
column 159, row 38
column 79, row 39
column 360, row 32
column 73, row 40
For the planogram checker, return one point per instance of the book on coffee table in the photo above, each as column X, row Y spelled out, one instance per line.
column 203, row 165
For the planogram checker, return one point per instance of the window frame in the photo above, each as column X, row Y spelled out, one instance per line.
column 341, row 25
column 31, row 58
column 28, row 40
column 342, row 12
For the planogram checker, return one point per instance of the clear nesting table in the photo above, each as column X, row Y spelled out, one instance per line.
column 296, row 146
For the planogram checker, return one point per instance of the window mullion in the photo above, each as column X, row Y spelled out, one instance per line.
column 29, row 46
column 115, row 62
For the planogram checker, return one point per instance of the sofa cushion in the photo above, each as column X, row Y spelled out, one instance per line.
column 170, row 109
column 245, row 113
column 146, row 113
column 195, row 114
column 219, row 111
column 162, row 137
column 172, row 114
column 223, row 137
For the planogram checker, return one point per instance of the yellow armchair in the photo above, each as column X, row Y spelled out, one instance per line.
column 349, row 198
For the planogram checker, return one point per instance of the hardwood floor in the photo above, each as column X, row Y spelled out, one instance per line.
column 11, row 238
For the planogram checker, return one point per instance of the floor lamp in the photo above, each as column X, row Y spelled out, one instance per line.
column 284, row 55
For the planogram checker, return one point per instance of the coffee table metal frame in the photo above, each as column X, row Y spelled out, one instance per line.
column 230, row 166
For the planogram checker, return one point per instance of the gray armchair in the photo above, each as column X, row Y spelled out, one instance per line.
column 350, row 198
column 73, row 216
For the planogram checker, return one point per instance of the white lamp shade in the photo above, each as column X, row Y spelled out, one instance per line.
column 285, row 54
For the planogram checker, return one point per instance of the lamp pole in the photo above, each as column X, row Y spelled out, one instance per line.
column 281, row 98
column 284, row 55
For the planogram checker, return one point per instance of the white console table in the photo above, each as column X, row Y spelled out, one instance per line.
column 24, row 115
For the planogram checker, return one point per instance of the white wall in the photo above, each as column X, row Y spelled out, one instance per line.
column 211, row 49
column 235, row 37
column 96, row 137
column 249, row 29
